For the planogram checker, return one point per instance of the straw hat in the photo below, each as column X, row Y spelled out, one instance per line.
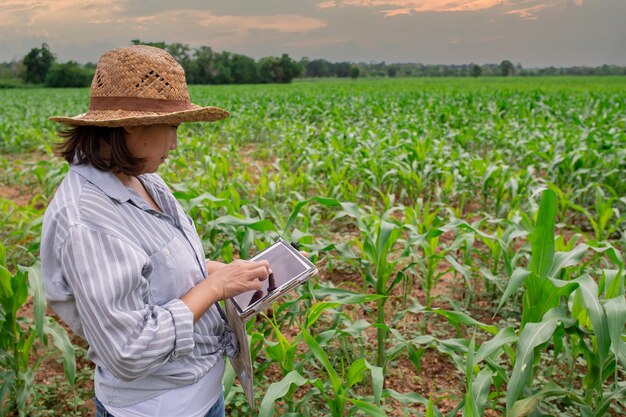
column 140, row 85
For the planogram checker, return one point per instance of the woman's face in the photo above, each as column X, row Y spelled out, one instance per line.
column 152, row 143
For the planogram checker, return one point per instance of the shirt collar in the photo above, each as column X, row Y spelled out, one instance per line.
column 113, row 188
column 105, row 181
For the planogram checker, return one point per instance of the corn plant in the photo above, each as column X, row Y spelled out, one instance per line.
column 341, row 383
column 294, row 366
column 544, row 317
column 605, row 218
column 377, row 241
column 19, row 336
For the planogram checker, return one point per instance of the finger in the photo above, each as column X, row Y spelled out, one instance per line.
column 264, row 263
column 260, row 273
column 256, row 285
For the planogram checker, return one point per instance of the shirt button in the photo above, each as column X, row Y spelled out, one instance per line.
column 167, row 252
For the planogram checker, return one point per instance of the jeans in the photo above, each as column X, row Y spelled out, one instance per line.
column 217, row 410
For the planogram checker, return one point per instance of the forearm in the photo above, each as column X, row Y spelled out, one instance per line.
column 201, row 297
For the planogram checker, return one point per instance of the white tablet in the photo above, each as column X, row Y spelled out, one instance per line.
column 289, row 269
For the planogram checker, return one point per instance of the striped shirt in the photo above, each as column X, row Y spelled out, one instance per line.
column 114, row 270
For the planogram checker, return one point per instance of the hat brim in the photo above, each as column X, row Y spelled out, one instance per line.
column 120, row 118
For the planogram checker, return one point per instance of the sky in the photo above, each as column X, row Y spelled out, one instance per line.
column 534, row 33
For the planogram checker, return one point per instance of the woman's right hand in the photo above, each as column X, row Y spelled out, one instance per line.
column 238, row 277
column 228, row 281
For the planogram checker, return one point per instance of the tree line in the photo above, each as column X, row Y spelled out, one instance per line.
column 203, row 65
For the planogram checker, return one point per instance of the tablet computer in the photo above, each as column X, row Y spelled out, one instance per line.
column 289, row 270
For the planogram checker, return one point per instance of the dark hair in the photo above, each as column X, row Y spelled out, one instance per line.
column 83, row 145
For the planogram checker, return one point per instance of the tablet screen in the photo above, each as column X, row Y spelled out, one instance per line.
column 285, row 266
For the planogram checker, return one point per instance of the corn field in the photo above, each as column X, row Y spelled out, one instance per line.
column 469, row 235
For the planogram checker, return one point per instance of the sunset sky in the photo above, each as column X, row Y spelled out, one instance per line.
column 535, row 33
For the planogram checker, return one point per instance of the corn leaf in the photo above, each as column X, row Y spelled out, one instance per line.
column 615, row 309
column 533, row 335
column 278, row 390
column 542, row 239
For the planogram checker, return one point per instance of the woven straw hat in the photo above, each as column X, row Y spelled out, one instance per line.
column 140, row 85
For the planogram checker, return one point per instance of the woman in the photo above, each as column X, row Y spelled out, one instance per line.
column 122, row 263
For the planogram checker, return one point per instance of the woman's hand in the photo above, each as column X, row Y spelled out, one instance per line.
column 225, row 282
column 238, row 277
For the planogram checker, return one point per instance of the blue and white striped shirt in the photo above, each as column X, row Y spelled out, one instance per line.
column 114, row 270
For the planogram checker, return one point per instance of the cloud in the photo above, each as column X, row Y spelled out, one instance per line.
column 399, row 7
column 41, row 18
column 528, row 9
column 93, row 18
column 279, row 23
column 326, row 5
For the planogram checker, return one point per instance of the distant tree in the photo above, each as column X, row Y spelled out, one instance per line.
column 222, row 69
column 244, row 69
column 69, row 74
column 37, row 63
column 476, row 70
column 342, row 69
column 7, row 71
column 319, row 68
column 355, row 72
column 507, row 68
column 278, row 70
column 392, row 71
column 203, row 69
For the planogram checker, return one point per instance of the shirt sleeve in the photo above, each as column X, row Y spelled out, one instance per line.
column 127, row 334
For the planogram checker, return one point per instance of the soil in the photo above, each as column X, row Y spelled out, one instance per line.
column 15, row 194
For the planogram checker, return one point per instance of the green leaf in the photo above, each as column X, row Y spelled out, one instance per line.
column 316, row 311
column 385, row 238
column 542, row 239
column 378, row 380
column 228, row 380
column 355, row 372
column 614, row 283
column 615, row 309
column 480, row 389
column 504, row 337
column 430, row 408
column 405, row 398
column 39, row 298
column 458, row 317
column 278, row 390
column 516, row 281
column 263, row 225
column 527, row 405
column 566, row 259
column 329, row 202
column 5, row 283
column 618, row 393
column 321, row 356
column 369, row 409
column 342, row 296
column 533, row 335
column 62, row 341
column 470, row 408
column 597, row 315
